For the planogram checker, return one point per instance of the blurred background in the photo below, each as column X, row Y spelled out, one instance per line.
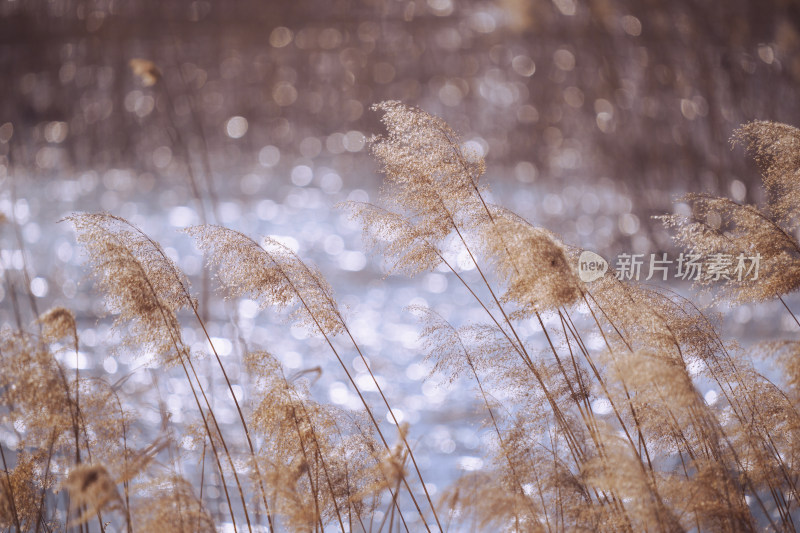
column 592, row 115
column 639, row 97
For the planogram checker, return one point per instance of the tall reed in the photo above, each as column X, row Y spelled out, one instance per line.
column 594, row 394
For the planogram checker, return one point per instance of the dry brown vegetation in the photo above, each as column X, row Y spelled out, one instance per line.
column 658, row 458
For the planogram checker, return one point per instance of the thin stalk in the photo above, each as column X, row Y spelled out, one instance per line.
column 11, row 499
column 200, row 321
column 360, row 396
column 21, row 245
column 314, row 491
column 180, row 353
column 211, row 441
column 128, row 523
column 796, row 321
column 222, row 440
column 327, row 338
column 40, row 515
column 380, row 391
column 241, row 419
column 203, row 470
column 504, row 447
column 14, row 302
column 319, row 451
column 392, row 506
column 634, row 414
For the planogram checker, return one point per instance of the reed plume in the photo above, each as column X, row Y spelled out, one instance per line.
column 93, row 487
column 272, row 275
column 140, row 284
column 721, row 227
column 20, row 494
column 606, row 405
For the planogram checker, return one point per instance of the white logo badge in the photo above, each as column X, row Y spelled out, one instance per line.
column 591, row 266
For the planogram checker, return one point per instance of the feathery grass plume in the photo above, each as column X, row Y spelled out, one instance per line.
column 677, row 425
column 390, row 469
column 482, row 499
column 404, row 247
column 649, row 340
column 763, row 426
column 104, row 424
column 662, row 394
column 140, row 284
column 428, row 172
column 480, row 350
column 171, row 506
column 743, row 232
column 315, row 459
column 634, row 316
column 8, row 512
column 20, row 492
column 291, row 443
column 445, row 346
column 272, row 275
column 532, row 262
column 650, row 369
column 43, row 404
column 557, row 492
column 431, row 188
column 34, row 389
column 739, row 238
column 526, row 477
column 43, row 401
column 786, row 354
column 58, row 323
column 715, row 503
column 776, row 149
column 92, row 486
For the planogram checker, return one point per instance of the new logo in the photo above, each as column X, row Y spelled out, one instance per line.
column 591, row 266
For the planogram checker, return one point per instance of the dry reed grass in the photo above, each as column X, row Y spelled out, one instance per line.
column 657, row 457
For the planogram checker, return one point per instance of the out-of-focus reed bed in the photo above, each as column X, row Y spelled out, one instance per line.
column 605, row 428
